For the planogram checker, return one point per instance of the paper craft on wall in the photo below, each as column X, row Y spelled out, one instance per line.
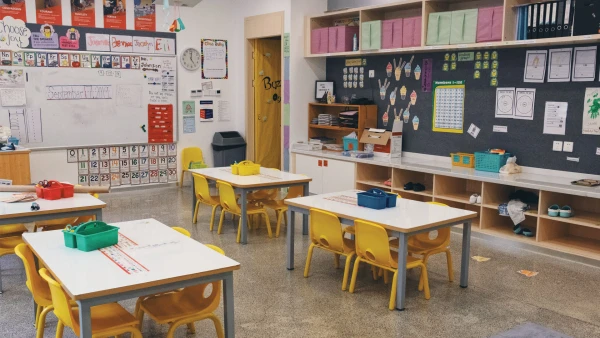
column 383, row 88
column 535, row 66
column 555, row 118
column 524, row 103
column 393, row 96
column 214, row 59
column 448, row 106
column 584, row 64
column 559, row 66
column 407, row 67
column 505, row 103
column 386, row 116
column 398, row 69
column 591, row 112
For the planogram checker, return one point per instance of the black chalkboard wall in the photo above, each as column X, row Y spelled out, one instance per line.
column 525, row 138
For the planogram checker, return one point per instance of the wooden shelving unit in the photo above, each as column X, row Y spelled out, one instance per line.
column 367, row 118
column 410, row 8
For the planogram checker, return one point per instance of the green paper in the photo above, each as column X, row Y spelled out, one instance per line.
column 477, row 64
column 445, row 68
column 478, row 56
column 494, row 55
column 453, row 66
column 486, row 55
column 189, row 107
column 494, row 82
column 477, row 75
column 486, row 65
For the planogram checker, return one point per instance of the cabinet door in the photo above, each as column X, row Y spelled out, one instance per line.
column 338, row 176
column 309, row 166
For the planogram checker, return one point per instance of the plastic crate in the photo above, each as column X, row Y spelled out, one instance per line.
column 91, row 236
column 376, row 199
column 485, row 161
column 463, row 160
column 246, row 168
column 68, row 190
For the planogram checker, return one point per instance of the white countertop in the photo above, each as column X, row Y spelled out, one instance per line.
column 524, row 180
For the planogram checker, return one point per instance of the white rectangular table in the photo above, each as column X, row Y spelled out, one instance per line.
column 406, row 219
column 267, row 179
column 78, row 205
column 151, row 258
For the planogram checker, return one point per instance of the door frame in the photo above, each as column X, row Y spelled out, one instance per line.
column 257, row 27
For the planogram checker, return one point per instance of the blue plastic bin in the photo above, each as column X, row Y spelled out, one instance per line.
column 376, row 199
column 485, row 161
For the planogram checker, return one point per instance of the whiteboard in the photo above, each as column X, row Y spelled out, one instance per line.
column 72, row 107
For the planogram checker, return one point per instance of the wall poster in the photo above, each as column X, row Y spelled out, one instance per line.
column 14, row 8
column 48, row 12
column 145, row 16
column 83, row 13
column 115, row 14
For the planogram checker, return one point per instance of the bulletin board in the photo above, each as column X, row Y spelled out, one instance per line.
column 524, row 138
column 73, row 107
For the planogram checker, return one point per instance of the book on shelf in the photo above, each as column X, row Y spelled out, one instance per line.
column 552, row 19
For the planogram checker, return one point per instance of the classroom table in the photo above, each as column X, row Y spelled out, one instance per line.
column 267, row 179
column 407, row 218
column 150, row 258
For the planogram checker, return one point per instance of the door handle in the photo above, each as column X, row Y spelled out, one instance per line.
column 320, row 163
column 325, row 163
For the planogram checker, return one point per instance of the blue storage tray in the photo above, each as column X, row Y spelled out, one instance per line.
column 376, row 199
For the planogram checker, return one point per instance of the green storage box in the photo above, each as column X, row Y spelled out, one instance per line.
column 438, row 28
column 371, row 35
column 464, row 26
column 91, row 236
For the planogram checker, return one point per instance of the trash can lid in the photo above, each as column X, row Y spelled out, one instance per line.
column 228, row 138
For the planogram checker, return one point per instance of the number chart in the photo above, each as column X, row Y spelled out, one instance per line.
column 125, row 165
column 448, row 106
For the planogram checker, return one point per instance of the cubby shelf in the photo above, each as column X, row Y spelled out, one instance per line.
column 584, row 218
column 575, row 245
column 378, row 184
column 532, row 212
column 425, row 192
column 316, row 126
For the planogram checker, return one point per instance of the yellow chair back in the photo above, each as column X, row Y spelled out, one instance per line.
column 190, row 154
column 34, row 283
column 201, row 188
column 60, row 300
column 372, row 243
column 326, row 230
column 295, row 191
column 182, row 230
column 227, row 196
column 442, row 239
column 195, row 294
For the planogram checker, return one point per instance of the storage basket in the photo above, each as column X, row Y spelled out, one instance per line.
column 55, row 190
column 350, row 143
column 91, row 236
column 376, row 199
column 486, row 161
column 463, row 160
column 245, row 168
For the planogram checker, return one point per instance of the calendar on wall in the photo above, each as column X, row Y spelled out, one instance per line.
column 448, row 106
column 125, row 165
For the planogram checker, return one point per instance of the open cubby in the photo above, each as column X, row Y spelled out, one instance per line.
column 401, row 177
column 373, row 175
column 570, row 238
column 455, row 189
column 493, row 223
column 367, row 186
column 586, row 211
column 411, row 195
column 495, row 194
column 367, row 118
column 406, row 9
column 461, row 205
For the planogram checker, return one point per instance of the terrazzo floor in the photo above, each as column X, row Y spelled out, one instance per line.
column 273, row 302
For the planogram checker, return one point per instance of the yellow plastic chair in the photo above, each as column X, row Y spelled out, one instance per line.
column 203, row 196
column 107, row 319
column 281, row 208
column 11, row 230
column 352, row 230
column 182, row 230
column 229, row 204
column 187, row 306
column 326, row 234
column 372, row 246
column 54, row 224
column 7, row 247
column 188, row 155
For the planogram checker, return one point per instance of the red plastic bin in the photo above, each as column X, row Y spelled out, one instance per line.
column 55, row 191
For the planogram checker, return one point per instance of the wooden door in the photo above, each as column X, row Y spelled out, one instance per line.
column 267, row 102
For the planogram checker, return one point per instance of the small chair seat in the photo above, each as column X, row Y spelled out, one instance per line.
column 111, row 316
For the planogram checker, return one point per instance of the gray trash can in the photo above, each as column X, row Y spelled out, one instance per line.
column 228, row 147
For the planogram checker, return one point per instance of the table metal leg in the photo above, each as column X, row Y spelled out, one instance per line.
column 305, row 216
column 228, row 306
column 193, row 196
column 401, row 280
column 244, row 225
column 290, row 239
column 98, row 214
column 85, row 320
column 466, row 248
column 1, row 278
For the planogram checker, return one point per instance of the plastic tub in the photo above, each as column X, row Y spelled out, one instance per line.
column 484, row 161
column 91, row 236
column 376, row 199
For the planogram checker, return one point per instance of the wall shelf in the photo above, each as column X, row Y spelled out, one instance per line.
column 316, row 126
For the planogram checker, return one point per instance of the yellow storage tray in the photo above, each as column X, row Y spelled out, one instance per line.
column 245, row 168
column 463, row 160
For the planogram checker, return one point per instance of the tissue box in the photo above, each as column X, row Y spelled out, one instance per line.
column 350, row 143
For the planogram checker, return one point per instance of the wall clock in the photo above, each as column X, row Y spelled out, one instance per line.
column 190, row 59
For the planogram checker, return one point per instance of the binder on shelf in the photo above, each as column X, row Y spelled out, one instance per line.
column 569, row 10
column 529, row 22
column 547, row 15
column 534, row 21
column 553, row 19
column 541, row 21
column 560, row 17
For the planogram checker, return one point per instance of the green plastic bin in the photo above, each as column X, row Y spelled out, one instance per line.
column 91, row 236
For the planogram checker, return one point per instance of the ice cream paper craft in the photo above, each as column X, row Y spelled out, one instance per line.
column 403, row 92
column 383, row 89
column 417, row 72
column 393, row 96
column 388, row 69
column 407, row 68
column 398, row 69
column 385, row 117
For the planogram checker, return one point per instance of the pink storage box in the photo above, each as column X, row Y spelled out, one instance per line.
column 340, row 38
column 391, row 31
column 319, row 40
column 489, row 24
column 411, row 32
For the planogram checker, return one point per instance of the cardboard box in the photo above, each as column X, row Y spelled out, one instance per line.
column 386, row 143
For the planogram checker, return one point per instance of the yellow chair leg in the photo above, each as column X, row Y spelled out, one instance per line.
column 140, row 317
column 239, row 234
column 218, row 326
column 450, row 268
column 347, row 271
column 394, row 291
column 42, row 321
column 336, row 260
column 279, row 217
column 38, row 310
column 59, row 329
column 220, row 228
column 212, row 217
column 374, row 271
column 425, row 281
column 385, row 276
column 191, row 328
column 308, row 259
column 181, row 179
column 268, row 221
column 354, row 274
column 196, row 212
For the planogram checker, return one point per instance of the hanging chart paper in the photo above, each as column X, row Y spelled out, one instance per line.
column 535, row 66
column 214, row 59
column 524, row 103
column 559, row 66
column 591, row 112
column 448, row 106
column 584, row 64
column 504, row 103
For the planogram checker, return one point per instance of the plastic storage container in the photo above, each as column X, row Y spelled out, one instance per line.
column 489, row 24
column 55, row 191
column 319, row 40
column 340, row 38
column 484, row 161
column 350, row 143
column 228, row 147
column 376, row 199
column 391, row 33
column 463, row 160
column 245, row 168
column 411, row 32
column 91, row 236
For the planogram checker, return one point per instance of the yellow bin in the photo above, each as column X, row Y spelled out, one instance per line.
column 247, row 168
